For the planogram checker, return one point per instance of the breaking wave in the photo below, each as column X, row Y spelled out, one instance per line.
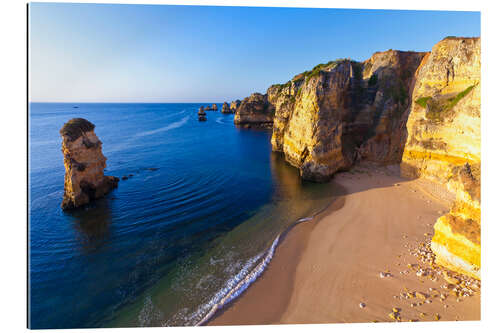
column 235, row 286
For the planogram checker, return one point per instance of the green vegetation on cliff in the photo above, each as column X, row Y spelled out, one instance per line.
column 75, row 127
column 422, row 101
column 307, row 75
column 458, row 97
column 438, row 106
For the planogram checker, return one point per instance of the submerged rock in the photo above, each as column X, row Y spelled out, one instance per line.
column 84, row 162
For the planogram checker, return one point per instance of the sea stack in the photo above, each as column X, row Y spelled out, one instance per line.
column 234, row 105
column 202, row 116
column 225, row 108
column 84, row 162
column 214, row 107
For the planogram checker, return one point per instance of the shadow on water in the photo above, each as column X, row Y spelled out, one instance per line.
column 92, row 225
column 292, row 186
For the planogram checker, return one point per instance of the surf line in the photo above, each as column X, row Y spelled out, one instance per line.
column 242, row 285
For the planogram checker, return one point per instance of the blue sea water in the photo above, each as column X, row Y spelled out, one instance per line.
column 190, row 230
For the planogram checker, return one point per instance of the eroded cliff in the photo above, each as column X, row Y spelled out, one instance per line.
column 415, row 108
column 254, row 111
column 339, row 112
column 444, row 145
column 84, row 163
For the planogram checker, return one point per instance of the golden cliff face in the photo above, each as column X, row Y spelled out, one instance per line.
column 84, row 163
column 312, row 135
column 339, row 112
column 254, row 111
column 444, row 144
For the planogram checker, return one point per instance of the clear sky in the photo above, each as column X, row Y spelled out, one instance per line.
column 160, row 53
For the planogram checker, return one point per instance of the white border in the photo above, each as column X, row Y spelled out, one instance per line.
column 13, row 134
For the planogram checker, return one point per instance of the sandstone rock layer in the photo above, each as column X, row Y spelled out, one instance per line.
column 444, row 145
column 84, row 162
column 254, row 111
column 339, row 112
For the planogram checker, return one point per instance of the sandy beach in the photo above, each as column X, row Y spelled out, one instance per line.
column 355, row 261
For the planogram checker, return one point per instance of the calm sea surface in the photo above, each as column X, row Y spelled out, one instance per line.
column 204, row 206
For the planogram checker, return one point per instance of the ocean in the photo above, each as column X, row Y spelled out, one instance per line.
column 194, row 226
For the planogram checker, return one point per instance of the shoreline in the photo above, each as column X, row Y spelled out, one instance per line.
column 277, row 277
column 324, row 269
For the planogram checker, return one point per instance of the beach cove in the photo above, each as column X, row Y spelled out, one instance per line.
column 326, row 268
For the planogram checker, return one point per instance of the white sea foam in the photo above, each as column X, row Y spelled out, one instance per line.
column 176, row 124
column 240, row 282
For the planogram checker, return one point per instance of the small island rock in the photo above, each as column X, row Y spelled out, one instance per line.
column 225, row 108
column 84, row 163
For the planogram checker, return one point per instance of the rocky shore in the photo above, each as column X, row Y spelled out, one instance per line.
column 84, row 162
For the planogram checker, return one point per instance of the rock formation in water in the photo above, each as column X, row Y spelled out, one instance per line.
column 84, row 163
column 202, row 116
column 225, row 108
column 234, row 105
column 444, row 145
column 255, row 111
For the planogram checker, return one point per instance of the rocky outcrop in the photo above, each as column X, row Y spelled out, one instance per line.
column 255, row 111
column 202, row 116
column 444, row 145
column 234, row 105
column 420, row 109
column 225, row 108
column 84, row 162
column 339, row 112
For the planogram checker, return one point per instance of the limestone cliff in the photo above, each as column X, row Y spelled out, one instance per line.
column 421, row 109
column 84, row 163
column 254, row 111
column 444, row 144
column 338, row 112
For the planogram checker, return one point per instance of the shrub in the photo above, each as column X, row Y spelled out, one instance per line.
column 422, row 101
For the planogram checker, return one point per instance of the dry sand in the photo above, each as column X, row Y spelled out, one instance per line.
column 325, row 268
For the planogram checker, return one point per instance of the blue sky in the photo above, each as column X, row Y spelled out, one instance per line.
column 160, row 53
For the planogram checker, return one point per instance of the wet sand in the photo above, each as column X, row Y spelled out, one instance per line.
column 325, row 268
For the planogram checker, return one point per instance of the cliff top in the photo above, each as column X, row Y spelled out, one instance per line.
column 75, row 127
column 460, row 38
